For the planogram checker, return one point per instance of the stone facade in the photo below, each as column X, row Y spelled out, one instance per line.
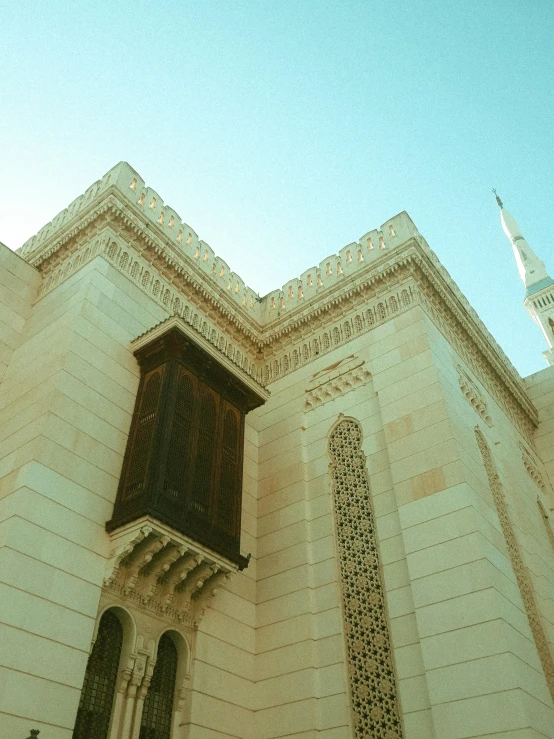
column 397, row 493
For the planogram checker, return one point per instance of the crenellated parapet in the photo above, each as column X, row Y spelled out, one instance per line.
column 367, row 283
column 124, row 181
column 351, row 260
column 313, row 283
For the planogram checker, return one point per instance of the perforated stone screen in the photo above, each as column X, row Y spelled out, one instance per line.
column 374, row 701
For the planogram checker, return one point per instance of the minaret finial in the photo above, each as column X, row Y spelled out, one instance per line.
column 497, row 198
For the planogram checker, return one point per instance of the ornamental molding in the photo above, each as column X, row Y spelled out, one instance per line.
column 462, row 326
column 474, row 396
column 495, row 376
column 163, row 571
column 160, row 256
column 338, row 379
column 343, row 323
column 153, row 235
column 162, row 291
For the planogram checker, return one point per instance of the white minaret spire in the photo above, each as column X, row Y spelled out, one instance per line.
column 531, row 269
column 539, row 286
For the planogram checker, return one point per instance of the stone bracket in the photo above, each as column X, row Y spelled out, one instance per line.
column 164, row 570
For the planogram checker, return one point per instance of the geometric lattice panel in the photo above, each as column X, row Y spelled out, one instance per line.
column 373, row 692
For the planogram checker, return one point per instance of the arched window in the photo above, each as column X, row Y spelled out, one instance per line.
column 95, row 706
column 157, row 713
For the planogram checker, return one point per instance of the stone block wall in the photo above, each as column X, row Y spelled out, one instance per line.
column 483, row 671
column 466, row 658
column 66, row 403
column 19, row 284
column 271, row 653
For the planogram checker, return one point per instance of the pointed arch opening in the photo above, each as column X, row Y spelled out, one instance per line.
column 157, row 713
column 97, row 695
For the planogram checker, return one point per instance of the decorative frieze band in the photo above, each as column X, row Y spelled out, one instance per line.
column 365, row 319
column 150, row 229
column 147, row 279
column 468, row 351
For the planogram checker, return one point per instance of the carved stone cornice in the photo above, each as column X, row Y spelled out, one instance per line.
column 157, row 250
column 112, row 204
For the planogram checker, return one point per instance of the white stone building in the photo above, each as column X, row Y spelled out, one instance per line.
column 391, row 573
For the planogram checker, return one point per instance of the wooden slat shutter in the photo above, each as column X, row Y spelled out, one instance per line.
column 201, row 488
column 177, row 471
column 228, row 495
column 142, row 433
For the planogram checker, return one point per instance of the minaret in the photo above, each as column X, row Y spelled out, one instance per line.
column 539, row 286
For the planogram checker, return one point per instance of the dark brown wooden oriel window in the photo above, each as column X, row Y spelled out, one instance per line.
column 183, row 463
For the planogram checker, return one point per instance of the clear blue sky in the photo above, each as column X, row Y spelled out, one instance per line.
column 282, row 130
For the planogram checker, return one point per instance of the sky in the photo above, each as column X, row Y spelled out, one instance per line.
column 282, row 130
